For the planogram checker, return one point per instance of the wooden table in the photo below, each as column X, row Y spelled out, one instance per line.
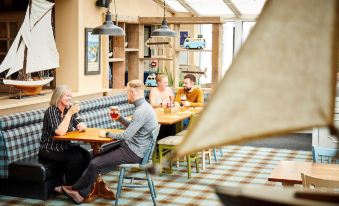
column 91, row 136
column 175, row 116
column 289, row 172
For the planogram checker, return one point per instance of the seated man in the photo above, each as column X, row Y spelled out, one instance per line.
column 136, row 140
column 189, row 96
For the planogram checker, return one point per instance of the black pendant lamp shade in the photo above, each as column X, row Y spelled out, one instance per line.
column 108, row 28
column 164, row 30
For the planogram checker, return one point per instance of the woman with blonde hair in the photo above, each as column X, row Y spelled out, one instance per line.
column 162, row 94
column 59, row 118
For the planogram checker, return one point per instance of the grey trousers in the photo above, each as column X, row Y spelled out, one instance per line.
column 101, row 163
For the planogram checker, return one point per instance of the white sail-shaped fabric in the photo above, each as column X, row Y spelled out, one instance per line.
column 36, row 34
column 282, row 80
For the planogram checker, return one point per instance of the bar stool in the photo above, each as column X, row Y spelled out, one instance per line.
column 169, row 143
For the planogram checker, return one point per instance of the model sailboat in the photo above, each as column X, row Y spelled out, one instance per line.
column 33, row 49
column 282, row 80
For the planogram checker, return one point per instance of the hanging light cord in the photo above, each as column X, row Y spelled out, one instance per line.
column 116, row 14
column 164, row 8
column 115, row 8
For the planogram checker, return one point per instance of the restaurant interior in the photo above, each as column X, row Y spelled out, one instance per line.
column 263, row 129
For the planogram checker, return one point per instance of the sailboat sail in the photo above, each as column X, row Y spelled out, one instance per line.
column 36, row 35
column 282, row 80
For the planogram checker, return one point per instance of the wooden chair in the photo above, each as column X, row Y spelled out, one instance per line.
column 146, row 160
column 325, row 155
column 314, row 182
column 169, row 143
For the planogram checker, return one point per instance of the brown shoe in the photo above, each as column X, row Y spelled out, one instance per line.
column 73, row 195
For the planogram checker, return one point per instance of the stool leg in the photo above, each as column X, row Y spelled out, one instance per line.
column 188, row 158
column 215, row 154
column 209, row 156
column 203, row 160
column 221, row 154
column 160, row 158
column 197, row 162
column 170, row 166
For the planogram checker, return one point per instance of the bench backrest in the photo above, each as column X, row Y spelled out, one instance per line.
column 20, row 133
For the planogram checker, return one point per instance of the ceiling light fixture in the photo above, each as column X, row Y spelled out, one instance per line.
column 108, row 27
column 164, row 30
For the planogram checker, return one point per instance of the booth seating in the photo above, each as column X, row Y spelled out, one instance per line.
column 22, row 173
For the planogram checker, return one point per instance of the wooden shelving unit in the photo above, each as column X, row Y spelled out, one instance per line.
column 216, row 51
column 125, row 51
column 128, row 51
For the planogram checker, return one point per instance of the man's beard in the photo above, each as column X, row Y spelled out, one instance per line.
column 187, row 89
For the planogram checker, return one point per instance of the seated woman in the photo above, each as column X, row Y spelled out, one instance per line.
column 62, row 117
column 161, row 94
column 159, row 97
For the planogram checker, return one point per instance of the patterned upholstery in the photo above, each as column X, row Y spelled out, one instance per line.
column 20, row 133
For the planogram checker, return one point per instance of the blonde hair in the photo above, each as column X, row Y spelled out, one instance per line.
column 160, row 77
column 58, row 93
column 136, row 85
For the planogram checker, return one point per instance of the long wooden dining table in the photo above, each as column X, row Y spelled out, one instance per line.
column 91, row 136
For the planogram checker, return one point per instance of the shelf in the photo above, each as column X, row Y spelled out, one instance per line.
column 156, row 58
column 131, row 50
column 192, row 50
column 116, row 59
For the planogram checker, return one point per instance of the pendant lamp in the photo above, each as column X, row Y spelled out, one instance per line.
column 108, row 27
column 164, row 30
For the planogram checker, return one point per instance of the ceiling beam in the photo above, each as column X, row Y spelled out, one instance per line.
column 161, row 4
column 233, row 8
column 182, row 20
column 188, row 7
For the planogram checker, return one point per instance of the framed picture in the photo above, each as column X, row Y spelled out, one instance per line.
column 92, row 52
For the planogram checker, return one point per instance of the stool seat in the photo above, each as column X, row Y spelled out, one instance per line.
column 171, row 140
column 182, row 133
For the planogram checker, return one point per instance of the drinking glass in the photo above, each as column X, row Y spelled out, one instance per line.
column 114, row 112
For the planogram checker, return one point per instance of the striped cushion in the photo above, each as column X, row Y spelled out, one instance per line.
column 93, row 104
column 20, row 133
column 100, row 118
column 21, row 119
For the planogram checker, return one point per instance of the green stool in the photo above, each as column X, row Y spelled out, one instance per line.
column 169, row 143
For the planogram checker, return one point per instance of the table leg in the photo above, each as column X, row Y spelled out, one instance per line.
column 100, row 188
